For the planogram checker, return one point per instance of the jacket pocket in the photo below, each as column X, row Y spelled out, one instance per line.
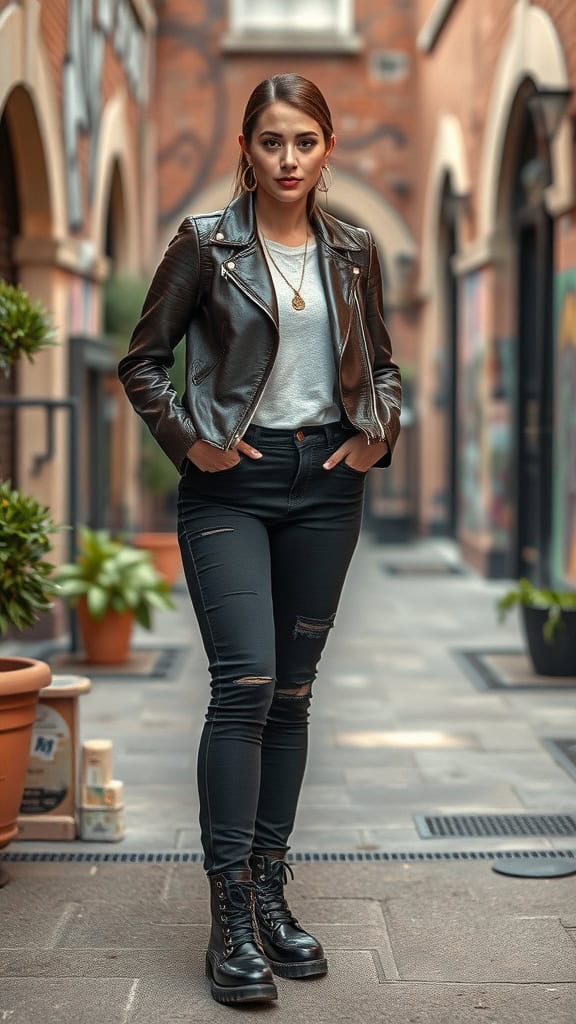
column 205, row 357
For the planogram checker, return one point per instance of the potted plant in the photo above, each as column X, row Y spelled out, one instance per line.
column 549, row 621
column 25, row 326
column 111, row 584
column 26, row 590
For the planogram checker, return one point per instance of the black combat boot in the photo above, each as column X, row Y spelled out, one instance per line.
column 235, row 961
column 292, row 952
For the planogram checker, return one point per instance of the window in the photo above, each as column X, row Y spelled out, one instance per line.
column 291, row 24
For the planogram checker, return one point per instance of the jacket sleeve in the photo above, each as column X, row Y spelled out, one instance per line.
column 386, row 374
column 168, row 308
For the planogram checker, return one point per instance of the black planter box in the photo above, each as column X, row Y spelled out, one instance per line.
column 559, row 657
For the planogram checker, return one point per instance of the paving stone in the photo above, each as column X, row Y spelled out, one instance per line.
column 30, row 925
column 101, row 923
column 66, row 1000
column 472, row 766
column 444, row 947
column 325, row 796
column 318, row 840
column 176, row 999
column 429, row 1003
column 537, row 795
column 78, row 881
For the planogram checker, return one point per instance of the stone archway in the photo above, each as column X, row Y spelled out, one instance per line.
column 532, row 50
column 27, row 98
column 29, row 105
column 448, row 174
column 116, row 189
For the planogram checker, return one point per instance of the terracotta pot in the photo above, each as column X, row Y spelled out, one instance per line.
column 165, row 553
column 21, row 680
column 106, row 641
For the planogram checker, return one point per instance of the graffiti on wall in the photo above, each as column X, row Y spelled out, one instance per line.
column 564, row 495
column 471, row 404
column 82, row 82
column 499, row 430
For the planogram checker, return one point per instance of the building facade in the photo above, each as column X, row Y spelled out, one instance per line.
column 77, row 202
column 455, row 147
column 497, row 243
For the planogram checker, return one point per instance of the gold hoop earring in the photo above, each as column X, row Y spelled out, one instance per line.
column 245, row 186
column 321, row 183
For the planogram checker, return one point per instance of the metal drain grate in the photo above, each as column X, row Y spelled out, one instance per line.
column 353, row 857
column 443, row 826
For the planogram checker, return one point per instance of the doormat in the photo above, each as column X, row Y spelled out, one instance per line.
column 563, row 750
column 507, row 669
column 409, row 568
column 155, row 664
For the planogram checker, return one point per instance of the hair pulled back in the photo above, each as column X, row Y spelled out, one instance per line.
column 298, row 92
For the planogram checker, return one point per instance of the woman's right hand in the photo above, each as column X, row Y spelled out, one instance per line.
column 209, row 459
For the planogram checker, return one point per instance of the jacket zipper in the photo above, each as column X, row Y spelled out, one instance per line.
column 377, row 419
column 260, row 391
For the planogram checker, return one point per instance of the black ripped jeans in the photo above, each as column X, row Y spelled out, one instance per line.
column 265, row 546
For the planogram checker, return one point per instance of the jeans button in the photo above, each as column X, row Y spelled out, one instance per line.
column 300, row 435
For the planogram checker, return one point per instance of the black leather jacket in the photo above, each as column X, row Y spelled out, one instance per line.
column 213, row 285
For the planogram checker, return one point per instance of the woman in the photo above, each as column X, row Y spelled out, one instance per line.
column 291, row 396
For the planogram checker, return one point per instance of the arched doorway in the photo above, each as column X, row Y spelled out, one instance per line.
column 93, row 380
column 447, row 394
column 531, row 229
column 9, row 231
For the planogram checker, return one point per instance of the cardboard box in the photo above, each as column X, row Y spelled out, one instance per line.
column 103, row 824
column 48, row 808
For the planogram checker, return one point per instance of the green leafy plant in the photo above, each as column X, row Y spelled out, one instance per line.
column 525, row 593
column 25, row 326
column 26, row 588
column 113, row 576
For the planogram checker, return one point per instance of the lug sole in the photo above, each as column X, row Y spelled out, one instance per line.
column 304, row 970
column 257, row 993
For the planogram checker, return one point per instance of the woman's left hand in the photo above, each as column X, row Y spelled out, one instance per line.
column 357, row 453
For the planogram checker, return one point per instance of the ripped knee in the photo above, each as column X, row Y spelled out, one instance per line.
column 312, row 629
column 300, row 692
column 253, row 680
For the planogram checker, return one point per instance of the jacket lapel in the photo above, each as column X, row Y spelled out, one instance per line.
column 236, row 229
column 338, row 273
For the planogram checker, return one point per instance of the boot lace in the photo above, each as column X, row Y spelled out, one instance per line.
column 270, row 891
column 237, row 914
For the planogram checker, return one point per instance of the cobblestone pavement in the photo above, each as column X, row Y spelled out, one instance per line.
column 398, row 729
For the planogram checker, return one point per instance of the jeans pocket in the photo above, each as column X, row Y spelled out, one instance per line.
column 350, row 469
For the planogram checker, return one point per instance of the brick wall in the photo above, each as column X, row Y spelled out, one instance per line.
column 201, row 94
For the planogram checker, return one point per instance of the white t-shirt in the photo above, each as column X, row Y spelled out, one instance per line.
column 302, row 389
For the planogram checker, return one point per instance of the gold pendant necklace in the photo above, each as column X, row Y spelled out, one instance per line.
column 297, row 300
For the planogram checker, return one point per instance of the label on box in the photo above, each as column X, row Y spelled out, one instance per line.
column 110, row 795
column 101, row 823
column 48, row 773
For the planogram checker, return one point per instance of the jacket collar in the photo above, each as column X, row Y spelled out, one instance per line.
column 237, row 226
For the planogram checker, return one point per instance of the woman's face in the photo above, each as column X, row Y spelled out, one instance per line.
column 287, row 151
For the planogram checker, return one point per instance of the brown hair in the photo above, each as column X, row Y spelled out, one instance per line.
column 298, row 92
